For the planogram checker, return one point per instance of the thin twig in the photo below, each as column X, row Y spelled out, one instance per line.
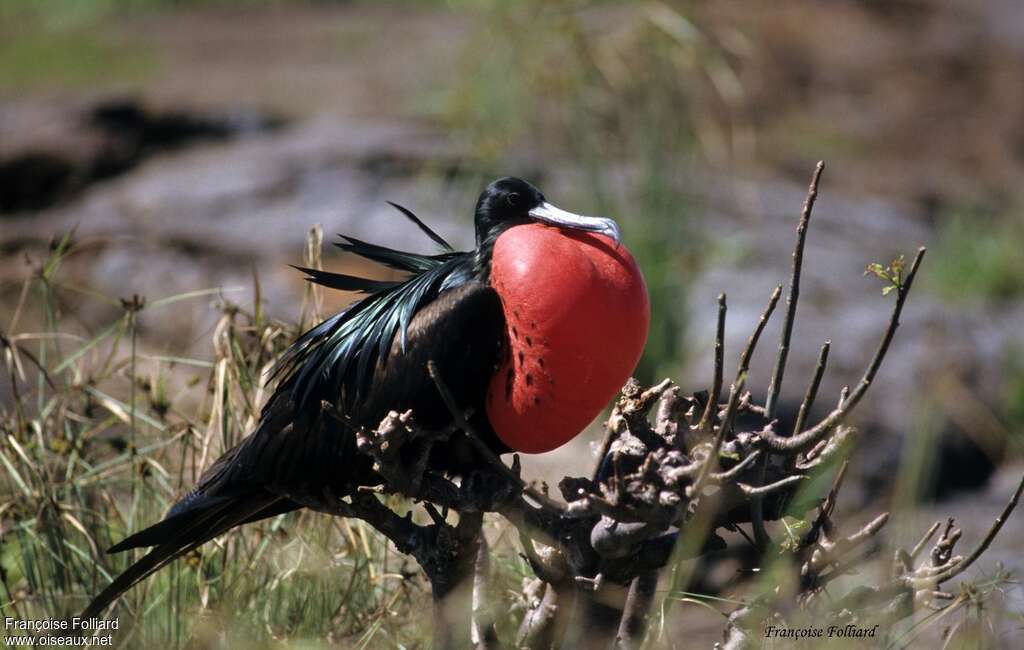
column 610, row 434
column 751, row 490
column 812, row 390
column 716, row 388
column 748, row 352
column 833, row 494
column 866, row 531
column 794, row 293
column 924, row 540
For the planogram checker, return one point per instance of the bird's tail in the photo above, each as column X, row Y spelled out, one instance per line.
column 176, row 536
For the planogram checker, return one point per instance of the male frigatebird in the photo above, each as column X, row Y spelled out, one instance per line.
column 533, row 332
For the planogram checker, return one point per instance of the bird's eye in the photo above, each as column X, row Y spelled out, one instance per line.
column 513, row 199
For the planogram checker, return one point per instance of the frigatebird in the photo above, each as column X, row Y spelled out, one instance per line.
column 532, row 332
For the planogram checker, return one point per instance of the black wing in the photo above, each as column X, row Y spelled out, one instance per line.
column 334, row 360
column 331, row 361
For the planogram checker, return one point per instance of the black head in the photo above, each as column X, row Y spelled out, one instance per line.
column 512, row 201
column 504, row 203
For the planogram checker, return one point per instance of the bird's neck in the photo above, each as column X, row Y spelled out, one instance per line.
column 482, row 258
column 484, row 253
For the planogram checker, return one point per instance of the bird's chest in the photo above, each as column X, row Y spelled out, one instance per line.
column 577, row 314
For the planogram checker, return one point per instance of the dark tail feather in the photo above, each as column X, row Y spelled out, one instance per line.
column 152, row 561
column 344, row 282
column 172, row 526
column 438, row 239
column 390, row 257
column 193, row 530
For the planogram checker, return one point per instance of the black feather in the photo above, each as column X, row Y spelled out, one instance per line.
column 344, row 282
column 396, row 259
column 172, row 524
column 438, row 239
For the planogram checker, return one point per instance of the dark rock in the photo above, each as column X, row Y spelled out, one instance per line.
column 86, row 144
column 34, row 180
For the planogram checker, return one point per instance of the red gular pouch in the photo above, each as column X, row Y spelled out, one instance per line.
column 577, row 315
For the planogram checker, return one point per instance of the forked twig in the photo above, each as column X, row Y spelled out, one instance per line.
column 962, row 565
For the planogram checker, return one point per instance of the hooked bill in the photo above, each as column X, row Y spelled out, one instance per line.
column 577, row 315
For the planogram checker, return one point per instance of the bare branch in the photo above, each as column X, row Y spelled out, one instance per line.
column 757, row 507
column 833, row 494
column 924, row 540
column 869, row 529
column 766, row 315
column 771, row 487
column 716, row 386
column 794, row 293
column 812, row 390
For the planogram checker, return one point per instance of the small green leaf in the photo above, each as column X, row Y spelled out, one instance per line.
column 892, row 274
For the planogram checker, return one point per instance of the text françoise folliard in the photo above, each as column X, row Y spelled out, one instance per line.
column 848, row 631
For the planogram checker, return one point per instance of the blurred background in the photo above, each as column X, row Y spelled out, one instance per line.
column 175, row 149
